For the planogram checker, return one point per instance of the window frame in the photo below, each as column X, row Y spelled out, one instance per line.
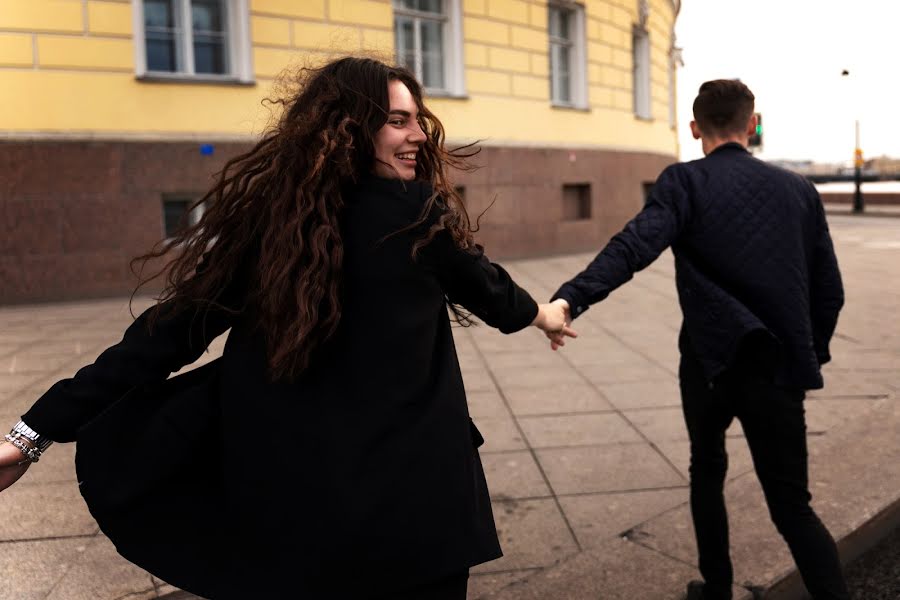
column 194, row 211
column 641, row 83
column 238, row 51
column 451, row 33
column 577, row 55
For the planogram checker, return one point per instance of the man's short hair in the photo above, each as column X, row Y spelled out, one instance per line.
column 723, row 107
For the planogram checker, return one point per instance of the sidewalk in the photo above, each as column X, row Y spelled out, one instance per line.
column 586, row 453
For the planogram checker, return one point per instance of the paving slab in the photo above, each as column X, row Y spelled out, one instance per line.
column 44, row 510
column 562, row 397
column 32, row 570
column 500, row 434
column 533, row 534
column 642, row 394
column 617, row 570
column 486, row 404
column 577, row 430
column 514, row 475
column 597, row 518
column 99, row 572
column 607, row 468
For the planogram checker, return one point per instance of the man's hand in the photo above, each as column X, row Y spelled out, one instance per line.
column 558, row 338
column 13, row 464
column 554, row 319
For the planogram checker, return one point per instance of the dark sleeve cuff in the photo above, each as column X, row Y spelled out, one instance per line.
column 523, row 317
column 578, row 303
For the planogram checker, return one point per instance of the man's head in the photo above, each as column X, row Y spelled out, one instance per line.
column 723, row 112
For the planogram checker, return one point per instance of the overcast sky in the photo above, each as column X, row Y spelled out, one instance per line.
column 791, row 53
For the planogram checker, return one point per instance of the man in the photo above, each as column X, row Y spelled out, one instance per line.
column 760, row 292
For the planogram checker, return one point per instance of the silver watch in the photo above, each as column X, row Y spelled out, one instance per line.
column 21, row 430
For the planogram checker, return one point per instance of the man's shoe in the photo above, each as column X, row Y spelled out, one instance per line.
column 694, row 591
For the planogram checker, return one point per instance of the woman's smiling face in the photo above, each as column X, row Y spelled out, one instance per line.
column 397, row 143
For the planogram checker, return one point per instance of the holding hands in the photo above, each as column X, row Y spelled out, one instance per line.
column 554, row 320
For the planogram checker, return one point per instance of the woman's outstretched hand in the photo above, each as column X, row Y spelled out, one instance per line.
column 554, row 319
column 13, row 464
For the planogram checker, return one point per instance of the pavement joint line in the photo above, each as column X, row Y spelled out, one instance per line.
column 660, row 552
column 652, row 444
column 862, row 397
column 50, row 538
column 575, row 446
column 30, row 483
column 68, row 567
column 598, row 493
column 504, row 571
column 531, row 450
column 579, row 413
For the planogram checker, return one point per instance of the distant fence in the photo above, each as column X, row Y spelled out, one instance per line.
column 865, row 176
column 873, row 198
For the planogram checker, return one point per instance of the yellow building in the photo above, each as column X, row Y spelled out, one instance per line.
column 116, row 112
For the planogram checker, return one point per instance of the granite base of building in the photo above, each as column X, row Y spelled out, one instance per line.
column 74, row 213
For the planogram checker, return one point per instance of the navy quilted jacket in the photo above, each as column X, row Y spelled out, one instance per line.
column 752, row 255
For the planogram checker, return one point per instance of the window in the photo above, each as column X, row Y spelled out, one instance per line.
column 567, row 56
column 192, row 39
column 674, row 61
column 429, row 43
column 576, row 202
column 647, row 188
column 641, row 51
column 177, row 214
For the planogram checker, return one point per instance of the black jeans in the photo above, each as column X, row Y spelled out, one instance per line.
column 774, row 424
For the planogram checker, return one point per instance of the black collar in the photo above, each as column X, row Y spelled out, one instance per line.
column 729, row 146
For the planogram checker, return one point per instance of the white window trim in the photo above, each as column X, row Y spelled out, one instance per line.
column 672, row 99
column 577, row 58
column 643, row 108
column 239, row 56
column 675, row 61
column 454, row 77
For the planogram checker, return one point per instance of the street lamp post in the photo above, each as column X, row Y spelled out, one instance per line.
column 858, row 203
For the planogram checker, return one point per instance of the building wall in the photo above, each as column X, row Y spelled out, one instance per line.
column 68, row 66
column 88, row 149
column 73, row 215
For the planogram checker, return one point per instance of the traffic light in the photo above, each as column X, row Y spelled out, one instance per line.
column 756, row 138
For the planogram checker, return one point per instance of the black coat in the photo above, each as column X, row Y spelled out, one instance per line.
column 363, row 471
column 753, row 257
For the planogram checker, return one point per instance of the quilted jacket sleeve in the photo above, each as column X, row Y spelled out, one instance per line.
column 144, row 355
column 826, row 287
column 655, row 228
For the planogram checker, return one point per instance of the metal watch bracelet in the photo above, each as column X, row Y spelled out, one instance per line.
column 41, row 442
column 36, row 443
column 31, row 453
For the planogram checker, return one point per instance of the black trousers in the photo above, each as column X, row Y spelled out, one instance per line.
column 452, row 587
column 774, row 424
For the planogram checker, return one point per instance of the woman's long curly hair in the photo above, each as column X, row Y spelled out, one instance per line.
column 282, row 202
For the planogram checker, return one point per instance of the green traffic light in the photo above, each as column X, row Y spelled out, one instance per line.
column 759, row 129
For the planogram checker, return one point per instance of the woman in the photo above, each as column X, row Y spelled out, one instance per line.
column 345, row 461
